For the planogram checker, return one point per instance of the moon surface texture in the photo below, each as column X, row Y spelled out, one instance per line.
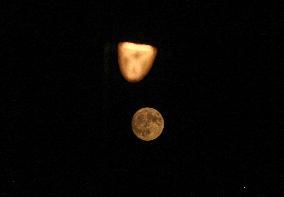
column 147, row 124
column 135, row 60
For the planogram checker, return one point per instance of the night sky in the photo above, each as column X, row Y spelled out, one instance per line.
column 67, row 109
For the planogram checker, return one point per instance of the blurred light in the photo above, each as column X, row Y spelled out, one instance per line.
column 135, row 60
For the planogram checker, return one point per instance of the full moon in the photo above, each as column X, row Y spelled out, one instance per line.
column 147, row 124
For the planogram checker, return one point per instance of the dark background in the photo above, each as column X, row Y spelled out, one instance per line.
column 67, row 111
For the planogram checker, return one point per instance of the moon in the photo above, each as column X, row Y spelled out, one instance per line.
column 147, row 124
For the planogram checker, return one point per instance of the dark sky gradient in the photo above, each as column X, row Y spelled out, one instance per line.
column 67, row 110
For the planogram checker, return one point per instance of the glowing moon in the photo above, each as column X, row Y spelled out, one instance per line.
column 135, row 60
column 147, row 124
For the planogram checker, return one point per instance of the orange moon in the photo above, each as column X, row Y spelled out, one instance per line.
column 135, row 60
column 147, row 124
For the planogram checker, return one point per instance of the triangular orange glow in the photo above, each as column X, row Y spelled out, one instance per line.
column 135, row 60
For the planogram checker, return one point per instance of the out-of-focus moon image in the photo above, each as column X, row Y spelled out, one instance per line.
column 147, row 124
column 135, row 60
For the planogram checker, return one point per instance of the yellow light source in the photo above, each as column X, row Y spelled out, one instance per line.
column 135, row 60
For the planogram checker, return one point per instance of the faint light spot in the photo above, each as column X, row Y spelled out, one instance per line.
column 243, row 188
